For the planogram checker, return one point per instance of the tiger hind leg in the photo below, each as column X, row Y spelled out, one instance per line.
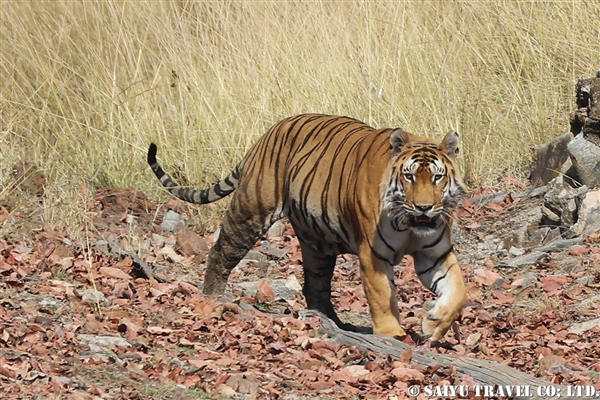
column 318, row 272
column 239, row 232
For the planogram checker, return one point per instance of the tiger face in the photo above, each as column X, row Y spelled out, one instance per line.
column 423, row 184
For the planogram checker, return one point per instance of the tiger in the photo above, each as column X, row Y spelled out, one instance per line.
column 345, row 187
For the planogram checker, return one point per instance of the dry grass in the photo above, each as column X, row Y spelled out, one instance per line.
column 86, row 86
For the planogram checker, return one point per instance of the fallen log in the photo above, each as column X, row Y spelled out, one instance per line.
column 487, row 373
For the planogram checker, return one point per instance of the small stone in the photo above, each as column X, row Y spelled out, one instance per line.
column 254, row 255
column 515, row 251
column 50, row 303
column 561, row 203
column 292, row 283
column 93, row 297
column 276, row 230
column 172, row 222
column 539, row 191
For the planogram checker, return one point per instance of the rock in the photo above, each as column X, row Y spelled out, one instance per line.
column 172, row 222
column 580, row 327
column 582, row 100
column 538, row 191
column 292, row 283
column 559, row 245
column 286, row 289
column 527, row 259
column 561, row 204
column 585, row 157
column 105, row 341
column 588, row 220
column 528, row 232
column 516, row 251
column 50, row 303
column 548, row 159
column 254, row 255
column 591, row 127
column 93, row 297
column 276, row 230
column 99, row 345
column 273, row 250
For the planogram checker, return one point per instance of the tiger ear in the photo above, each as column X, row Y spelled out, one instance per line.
column 398, row 139
column 450, row 144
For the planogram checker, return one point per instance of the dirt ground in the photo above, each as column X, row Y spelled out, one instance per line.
column 78, row 319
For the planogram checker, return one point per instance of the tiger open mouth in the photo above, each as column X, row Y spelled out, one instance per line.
column 423, row 220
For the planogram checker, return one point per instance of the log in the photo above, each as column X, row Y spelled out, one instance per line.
column 485, row 372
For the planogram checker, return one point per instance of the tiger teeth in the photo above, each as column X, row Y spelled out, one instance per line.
column 422, row 218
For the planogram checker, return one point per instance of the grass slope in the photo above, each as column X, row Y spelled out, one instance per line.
column 86, row 86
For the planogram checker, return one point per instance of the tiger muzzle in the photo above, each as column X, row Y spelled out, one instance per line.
column 423, row 220
column 423, row 215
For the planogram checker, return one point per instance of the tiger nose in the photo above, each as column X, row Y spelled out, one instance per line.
column 424, row 208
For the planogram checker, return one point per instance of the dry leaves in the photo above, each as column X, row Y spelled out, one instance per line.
column 150, row 339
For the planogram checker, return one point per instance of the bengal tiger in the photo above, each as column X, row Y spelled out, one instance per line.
column 346, row 188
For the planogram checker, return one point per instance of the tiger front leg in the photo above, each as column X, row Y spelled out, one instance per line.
column 378, row 281
column 443, row 276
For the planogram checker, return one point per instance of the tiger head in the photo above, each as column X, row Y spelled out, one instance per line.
column 424, row 184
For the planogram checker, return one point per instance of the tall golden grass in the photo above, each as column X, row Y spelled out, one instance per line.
column 87, row 85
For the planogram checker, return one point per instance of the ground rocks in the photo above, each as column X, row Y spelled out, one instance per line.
column 583, row 151
column 585, row 157
column 574, row 211
column 172, row 222
column 548, row 160
column 561, row 203
column 589, row 215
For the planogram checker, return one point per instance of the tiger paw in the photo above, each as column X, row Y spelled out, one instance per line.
column 392, row 330
column 435, row 325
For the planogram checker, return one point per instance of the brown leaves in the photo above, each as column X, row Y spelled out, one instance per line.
column 177, row 337
column 552, row 284
column 265, row 292
column 486, row 277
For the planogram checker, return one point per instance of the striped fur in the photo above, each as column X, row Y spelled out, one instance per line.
column 346, row 188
